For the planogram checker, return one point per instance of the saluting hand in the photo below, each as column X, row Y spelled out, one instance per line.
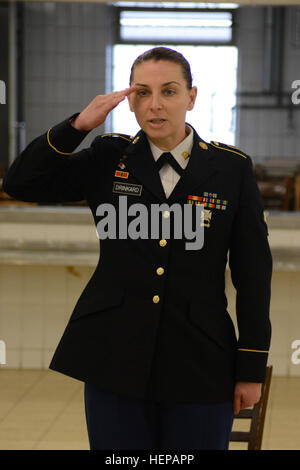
column 246, row 394
column 96, row 111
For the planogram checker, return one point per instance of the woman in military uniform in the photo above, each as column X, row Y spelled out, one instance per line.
column 150, row 335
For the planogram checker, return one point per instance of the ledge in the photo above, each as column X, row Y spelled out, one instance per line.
column 283, row 220
column 62, row 250
column 83, row 215
column 46, row 214
column 48, row 258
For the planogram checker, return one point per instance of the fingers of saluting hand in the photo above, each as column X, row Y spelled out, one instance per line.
column 122, row 93
column 129, row 90
column 97, row 110
column 111, row 100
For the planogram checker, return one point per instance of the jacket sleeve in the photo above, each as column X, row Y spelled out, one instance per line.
column 250, row 262
column 47, row 171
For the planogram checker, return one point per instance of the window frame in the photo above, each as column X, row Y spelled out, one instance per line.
column 232, row 42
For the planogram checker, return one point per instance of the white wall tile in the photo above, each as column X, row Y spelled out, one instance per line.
column 11, row 325
column 13, row 358
column 31, row 359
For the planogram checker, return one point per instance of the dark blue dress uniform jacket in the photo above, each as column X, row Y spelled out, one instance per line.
column 162, row 334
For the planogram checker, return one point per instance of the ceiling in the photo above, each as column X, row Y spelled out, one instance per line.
column 240, row 2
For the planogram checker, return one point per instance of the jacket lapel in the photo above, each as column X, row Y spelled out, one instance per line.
column 201, row 166
column 140, row 162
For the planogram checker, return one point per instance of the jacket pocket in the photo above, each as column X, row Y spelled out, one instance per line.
column 215, row 324
column 99, row 300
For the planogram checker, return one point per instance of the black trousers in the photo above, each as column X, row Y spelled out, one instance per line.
column 118, row 422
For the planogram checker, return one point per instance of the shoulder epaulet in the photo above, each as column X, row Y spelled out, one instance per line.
column 229, row 148
column 121, row 136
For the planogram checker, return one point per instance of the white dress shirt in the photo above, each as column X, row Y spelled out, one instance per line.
column 169, row 177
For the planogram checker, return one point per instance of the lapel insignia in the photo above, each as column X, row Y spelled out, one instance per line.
column 121, row 174
column 121, row 163
column 209, row 200
column 203, row 145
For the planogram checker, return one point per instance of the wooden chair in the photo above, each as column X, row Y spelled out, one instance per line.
column 297, row 193
column 277, row 182
column 277, row 193
column 257, row 416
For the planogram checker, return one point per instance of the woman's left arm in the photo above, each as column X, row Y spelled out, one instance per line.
column 250, row 263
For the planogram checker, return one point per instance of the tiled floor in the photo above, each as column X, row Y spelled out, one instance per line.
column 42, row 410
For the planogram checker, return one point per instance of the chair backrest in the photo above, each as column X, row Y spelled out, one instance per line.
column 297, row 193
column 257, row 416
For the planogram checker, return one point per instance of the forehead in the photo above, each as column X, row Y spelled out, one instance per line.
column 160, row 71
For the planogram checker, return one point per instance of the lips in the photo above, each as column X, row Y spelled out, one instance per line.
column 156, row 123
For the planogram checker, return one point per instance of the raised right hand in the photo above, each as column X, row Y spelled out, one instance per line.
column 96, row 111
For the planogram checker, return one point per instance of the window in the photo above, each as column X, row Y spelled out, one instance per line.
column 176, row 27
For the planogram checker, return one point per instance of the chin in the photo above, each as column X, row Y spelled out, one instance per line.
column 156, row 132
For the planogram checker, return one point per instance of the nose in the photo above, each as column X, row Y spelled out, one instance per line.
column 156, row 103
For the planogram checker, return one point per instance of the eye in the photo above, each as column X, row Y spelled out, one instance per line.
column 169, row 92
column 142, row 92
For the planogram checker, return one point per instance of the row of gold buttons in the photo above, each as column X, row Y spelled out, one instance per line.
column 160, row 270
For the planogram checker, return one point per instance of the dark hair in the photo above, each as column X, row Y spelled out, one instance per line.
column 164, row 53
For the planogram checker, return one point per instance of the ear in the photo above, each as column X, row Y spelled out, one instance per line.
column 193, row 96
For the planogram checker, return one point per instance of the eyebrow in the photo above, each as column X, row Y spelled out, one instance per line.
column 164, row 84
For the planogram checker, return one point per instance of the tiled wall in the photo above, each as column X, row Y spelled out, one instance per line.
column 38, row 292
column 264, row 133
column 40, row 284
column 65, row 54
column 37, row 301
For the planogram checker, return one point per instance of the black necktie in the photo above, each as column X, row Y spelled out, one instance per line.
column 167, row 157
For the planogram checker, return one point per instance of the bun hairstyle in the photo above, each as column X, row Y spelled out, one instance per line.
column 164, row 53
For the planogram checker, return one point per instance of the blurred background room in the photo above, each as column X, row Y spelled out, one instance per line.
column 55, row 57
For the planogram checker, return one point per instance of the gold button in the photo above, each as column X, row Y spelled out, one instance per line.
column 163, row 242
column 156, row 299
column 166, row 214
column 160, row 271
